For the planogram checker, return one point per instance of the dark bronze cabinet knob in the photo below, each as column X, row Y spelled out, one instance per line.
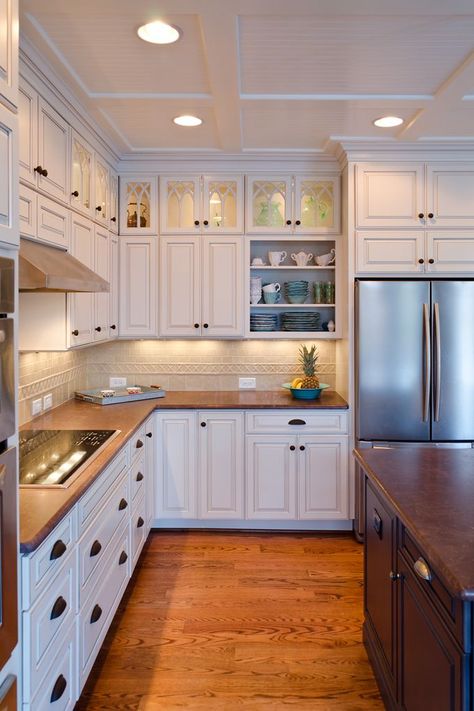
column 421, row 215
column 113, row 327
column 421, row 261
column 196, row 325
column 302, row 447
column 75, row 332
column 113, row 219
column 205, row 325
column 44, row 173
column 292, row 447
column 431, row 261
column 98, row 329
column 430, row 215
column 38, row 169
column 75, row 193
column 298, row 223
column 196, row 222
column 203, row 424
column 205, row 223
column 99, row 208
column 288, row 222
column 149, row 434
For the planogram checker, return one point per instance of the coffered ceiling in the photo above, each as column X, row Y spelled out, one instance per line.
column 264, row 75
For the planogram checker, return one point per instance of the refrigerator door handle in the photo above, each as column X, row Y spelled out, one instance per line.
column 427, row 363
column 437, row 363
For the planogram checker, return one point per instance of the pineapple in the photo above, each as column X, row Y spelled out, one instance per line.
column 308, row 359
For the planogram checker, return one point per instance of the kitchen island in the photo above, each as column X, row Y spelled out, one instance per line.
column 419, row 575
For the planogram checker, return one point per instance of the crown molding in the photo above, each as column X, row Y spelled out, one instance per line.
column 388, row 149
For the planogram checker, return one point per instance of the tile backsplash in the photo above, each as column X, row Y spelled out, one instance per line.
column 175, row 365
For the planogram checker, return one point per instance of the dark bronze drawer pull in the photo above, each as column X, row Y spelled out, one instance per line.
column 58, row 689
column 139, row 476
column 377, row 523
column 95, row 548
column 96, row 614
column 58, row 608
column 58, row 550
column 122, row 505
column 296, row 422
column 140, row 522
column 139, row 444
column 123, row 558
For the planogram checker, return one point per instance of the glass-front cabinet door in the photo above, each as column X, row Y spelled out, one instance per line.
column 269, row 205
column 180, row 205
column 113, row 202
column 101, row 212
column 223, row 204
column 317, row 204
column 81, row 174
column 138, row 208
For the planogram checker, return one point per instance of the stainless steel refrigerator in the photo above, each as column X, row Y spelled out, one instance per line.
column 414, row 364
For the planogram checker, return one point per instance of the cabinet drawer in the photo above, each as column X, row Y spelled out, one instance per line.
column 137, row 442
column 94, row 618
column 138, row 531
column 44, row 624
column 51, row 556
column 296, row 422
column 98, row 493
column 138, row 476
column 93, row 547
column 27, row 210
column 53, row 222
column 450, row 608
column 59, row 688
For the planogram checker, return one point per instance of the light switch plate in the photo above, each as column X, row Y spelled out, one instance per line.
column 117, row 382
column 247, row 383
column 36, row 407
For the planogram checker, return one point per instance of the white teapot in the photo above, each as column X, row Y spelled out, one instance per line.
column 324, row 260
column 301, row 258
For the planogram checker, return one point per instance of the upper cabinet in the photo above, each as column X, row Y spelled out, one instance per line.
column 81, row 174
column 9, row 50
column 114, row 202
column 414, row 195
column 293, row 204
column 8, row 178
column 101, row 207
column 138, row 205
column 204, row 204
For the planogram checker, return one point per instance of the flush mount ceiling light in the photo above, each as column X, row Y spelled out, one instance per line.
column 388, row 121
column 159, row 32
column 187, row 120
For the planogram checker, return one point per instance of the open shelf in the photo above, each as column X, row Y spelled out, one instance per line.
column 289, row 266
column 291, row 306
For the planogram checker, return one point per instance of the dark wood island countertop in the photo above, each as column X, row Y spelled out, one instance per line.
column 432, row 492
column 42, row 509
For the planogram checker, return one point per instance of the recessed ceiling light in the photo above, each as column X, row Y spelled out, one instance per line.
column 187, row 120
column 388, row 121
column 159, row 32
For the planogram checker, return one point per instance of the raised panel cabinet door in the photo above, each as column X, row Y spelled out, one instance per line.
column 138, row 205
column 180, row 205
column 150, row 474
column 390, row 252
column 223, row 204
column 53, row 222
column 390, row 195
column 180, row 286
column 222, row 286
column 9, row 233
column 450, row 195
column 138, row 277
column 53, row 152
column 28, row 132
column 269, row 208
column 431, row 665
column 101, row 299
column 176, row 465
column 450, row 252
column 101, row 182
column 113, row 194
column 114, row 286
column 9, row 50
column 323, row 478
column 27, row 211
column 81, row 174
column 271, row 477
column 317, row 204
column 221, row 464
column 81, row 306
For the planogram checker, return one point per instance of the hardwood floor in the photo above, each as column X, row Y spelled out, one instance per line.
column 228, row 620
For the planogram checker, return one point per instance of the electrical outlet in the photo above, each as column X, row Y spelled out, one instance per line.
column 117, row 382
column 36, row 407
column 247, row 383
column 48, row 401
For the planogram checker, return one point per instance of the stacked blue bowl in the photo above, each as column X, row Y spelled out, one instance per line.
column 296, row 291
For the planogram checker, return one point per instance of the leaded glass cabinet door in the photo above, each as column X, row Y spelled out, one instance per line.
column 81, row 175
column 101, row 212
column 180, row 205
column 317, row 204
column 138, row 205
column 223, row 204
column 269, row 205
column 114, row 217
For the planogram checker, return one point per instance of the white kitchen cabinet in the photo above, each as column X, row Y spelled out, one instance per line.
column 114, row 287
column 449, row 195
column 9, row 51
column 101, row 191
column 203, row 204
column 52, row 171
column 150, row 474
column 102, row 268
column 138, row 205
column 8, row 178
column 201, row 289
column 271, row 477
column 114, row 202
column 138, row 278
column 82, row 158
column 176, row 465
column 302, row 204
column 28, row 132
column 28, row 207
column 322, row 477
column 53, row 223
column 415, row 252
column 221, row 464
column 81, row 305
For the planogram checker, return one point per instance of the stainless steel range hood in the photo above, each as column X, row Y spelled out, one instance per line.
column 44, row 268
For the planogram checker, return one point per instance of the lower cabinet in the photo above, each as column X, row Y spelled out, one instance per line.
column 176, row 465
column 417, row 633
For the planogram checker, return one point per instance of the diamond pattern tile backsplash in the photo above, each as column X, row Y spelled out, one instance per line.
column 175, row 365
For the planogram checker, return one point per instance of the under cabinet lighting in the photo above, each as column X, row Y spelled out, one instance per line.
column 187, row 120
column 388, row 121
column 159, row 32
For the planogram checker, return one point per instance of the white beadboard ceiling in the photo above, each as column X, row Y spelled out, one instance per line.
column 265, row 75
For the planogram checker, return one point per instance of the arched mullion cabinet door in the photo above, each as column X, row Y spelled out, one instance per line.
column 180, row 205
column 138, row 205
column 223, row 206
column 114, row 202
column 269, row 208
column 101, row 206
column 317, row 204
column 81, row 175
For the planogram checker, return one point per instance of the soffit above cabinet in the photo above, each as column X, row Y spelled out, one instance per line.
column 266, row 76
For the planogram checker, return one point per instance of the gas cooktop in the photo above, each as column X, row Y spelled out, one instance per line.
column 54, row 458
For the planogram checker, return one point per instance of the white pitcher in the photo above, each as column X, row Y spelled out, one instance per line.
column 301, row 258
